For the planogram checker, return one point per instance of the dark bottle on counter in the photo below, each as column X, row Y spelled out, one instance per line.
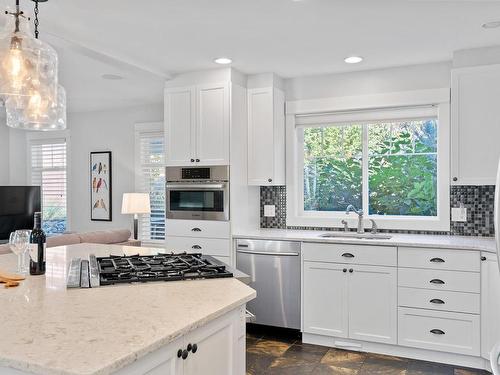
column 37, row 247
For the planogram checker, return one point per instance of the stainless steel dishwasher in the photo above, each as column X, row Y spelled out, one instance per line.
column 274, row 268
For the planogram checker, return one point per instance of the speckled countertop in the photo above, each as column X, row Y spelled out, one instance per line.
column 412, row 240
column 47, row 329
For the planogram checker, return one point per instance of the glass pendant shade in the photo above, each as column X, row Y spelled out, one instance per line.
column 26, row 64
column 36, row 112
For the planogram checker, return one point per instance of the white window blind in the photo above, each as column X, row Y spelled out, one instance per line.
column 150, row 151
column 48, row 170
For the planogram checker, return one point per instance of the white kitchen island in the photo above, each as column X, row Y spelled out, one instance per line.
column 126, row 329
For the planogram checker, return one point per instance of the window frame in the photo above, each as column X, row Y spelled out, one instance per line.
column 141, row 129
column 343, row 108
column 50, row 137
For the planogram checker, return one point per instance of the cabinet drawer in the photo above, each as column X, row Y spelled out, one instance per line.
column 198, row 228
column 457, row 281
column 441, row 259
column 206, row 246
column 350, row 254
column 439, row 300
column 438, row 330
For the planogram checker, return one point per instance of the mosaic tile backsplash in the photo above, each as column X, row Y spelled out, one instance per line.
column 479, row 201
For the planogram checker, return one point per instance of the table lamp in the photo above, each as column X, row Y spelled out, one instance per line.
column 135, row 204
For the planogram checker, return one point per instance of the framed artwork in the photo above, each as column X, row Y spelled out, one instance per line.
column 100, row 186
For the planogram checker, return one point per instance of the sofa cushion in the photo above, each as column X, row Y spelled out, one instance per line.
column 63, row 240
column 105, row 236
column 5, row 249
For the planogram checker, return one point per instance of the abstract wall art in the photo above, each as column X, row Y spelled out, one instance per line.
column 100, row 186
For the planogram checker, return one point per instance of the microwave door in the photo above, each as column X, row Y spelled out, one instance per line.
column 197, row 202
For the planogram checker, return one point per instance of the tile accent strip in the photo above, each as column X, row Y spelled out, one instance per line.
column 478, row 199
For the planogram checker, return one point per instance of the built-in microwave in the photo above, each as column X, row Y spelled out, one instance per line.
column 197, row 193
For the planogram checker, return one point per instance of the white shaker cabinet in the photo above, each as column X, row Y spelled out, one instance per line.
column 266, row 136
column 325, row 299
column 349, row 300
column 490, row 303
column 217, row 348
column 372, row 304
column 475, row 120
column 212, row 125
column 179, row 118
column 197, row 125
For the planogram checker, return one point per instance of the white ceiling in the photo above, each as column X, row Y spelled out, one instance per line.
column 291, row 38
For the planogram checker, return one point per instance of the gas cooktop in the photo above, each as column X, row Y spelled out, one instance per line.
column 160, row 267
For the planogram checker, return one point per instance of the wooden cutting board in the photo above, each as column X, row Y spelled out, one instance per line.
column 11, row 276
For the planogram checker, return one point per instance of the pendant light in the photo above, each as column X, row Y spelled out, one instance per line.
column 26, row 63
column 41, row 103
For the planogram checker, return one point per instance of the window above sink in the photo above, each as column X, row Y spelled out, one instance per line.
column 392, row 162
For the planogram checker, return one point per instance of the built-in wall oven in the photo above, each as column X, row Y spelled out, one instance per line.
column 197, row 193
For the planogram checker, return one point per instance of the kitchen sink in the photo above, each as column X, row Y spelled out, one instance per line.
column 363, row 236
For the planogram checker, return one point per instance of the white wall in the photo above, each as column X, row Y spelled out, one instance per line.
column 415, row 77
column 103, row 131
column 4, row 153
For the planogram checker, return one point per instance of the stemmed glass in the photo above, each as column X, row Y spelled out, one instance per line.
column 19, row 241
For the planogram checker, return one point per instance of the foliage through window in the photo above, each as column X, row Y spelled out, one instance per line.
column 396, row 160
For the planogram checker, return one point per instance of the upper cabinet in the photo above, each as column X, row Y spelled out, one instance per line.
column 475, row 125
column 197, row 125
column 266, row 136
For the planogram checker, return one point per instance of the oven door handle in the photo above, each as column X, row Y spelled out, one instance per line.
column 195, row 186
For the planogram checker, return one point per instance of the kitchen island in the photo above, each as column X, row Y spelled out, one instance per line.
column 140, row 328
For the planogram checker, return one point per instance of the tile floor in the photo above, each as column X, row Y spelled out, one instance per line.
column 285, row 354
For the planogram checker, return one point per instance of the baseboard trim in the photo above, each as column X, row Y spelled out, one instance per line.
column 398, row 351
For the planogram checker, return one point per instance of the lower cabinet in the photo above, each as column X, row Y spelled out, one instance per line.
column 217, row 348
column 350, row 301
column 438, row 330
column 325, row 299
column 490, row 304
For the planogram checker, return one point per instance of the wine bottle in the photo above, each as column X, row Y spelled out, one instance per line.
column 37, row 247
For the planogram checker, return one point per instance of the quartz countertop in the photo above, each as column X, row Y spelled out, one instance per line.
column 48, row 329
column 413, row 240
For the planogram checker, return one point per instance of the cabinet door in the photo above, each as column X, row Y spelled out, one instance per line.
column 180, row 125
column 325, row 304
column 373, row 303
column 490, row 304
column 212, row 125
column 260, row 137
column 163, row 361
column 475, row 125
column 215, row 355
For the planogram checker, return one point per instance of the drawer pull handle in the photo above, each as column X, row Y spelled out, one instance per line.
column 348, row 255
column 196, row 230
column 344, row 270
column 437, row 281
column 196, row 247
column 437, row 331
column 437, row 301
column 437, row 260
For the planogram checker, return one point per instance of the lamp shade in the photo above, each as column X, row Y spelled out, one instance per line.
column 136, row 203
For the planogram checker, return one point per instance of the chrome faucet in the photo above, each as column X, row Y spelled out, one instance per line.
column 360, row 213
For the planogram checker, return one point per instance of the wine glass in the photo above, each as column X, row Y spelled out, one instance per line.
column 19, row 241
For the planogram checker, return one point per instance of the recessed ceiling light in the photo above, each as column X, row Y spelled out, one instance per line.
column 112, row 77
column 353, row 59
column 491, row 25
column 223, row 60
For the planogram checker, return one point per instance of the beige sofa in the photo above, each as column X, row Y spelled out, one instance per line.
column 117, row 237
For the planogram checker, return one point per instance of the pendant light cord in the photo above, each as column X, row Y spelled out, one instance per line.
column 36, row 21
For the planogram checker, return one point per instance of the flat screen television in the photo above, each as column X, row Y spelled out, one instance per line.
column 18, row 204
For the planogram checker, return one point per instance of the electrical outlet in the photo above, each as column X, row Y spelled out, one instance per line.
column 459, row 214
column 269, row 210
